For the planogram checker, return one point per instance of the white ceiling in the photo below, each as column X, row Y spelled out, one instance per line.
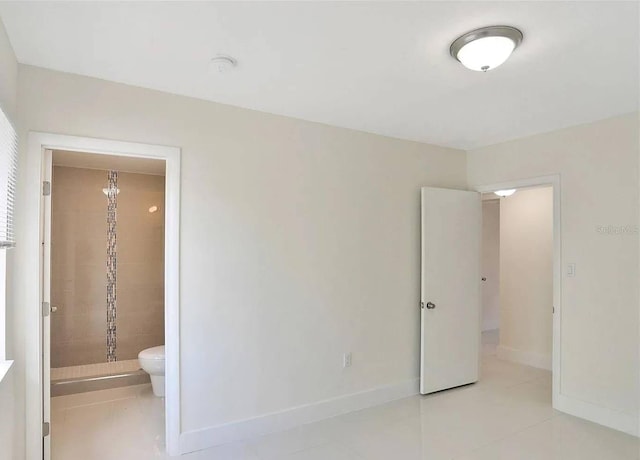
column 381, row 67
column 109, row 162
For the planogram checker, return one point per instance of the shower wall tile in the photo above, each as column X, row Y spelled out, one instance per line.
column 78, row 235
column 79, row 242
column 140, row 264
column 133, row 344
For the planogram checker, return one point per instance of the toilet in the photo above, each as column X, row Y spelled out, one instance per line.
column 152, row 362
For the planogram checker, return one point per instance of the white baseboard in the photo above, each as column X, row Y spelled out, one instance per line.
column 191, row 441
column 610, row 418
column 524, row 357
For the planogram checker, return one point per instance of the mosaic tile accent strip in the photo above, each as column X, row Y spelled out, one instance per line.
column 112, row 206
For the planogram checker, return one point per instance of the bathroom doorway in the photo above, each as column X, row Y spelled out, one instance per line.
column 107, row 269
column 106, row 304
column 89, row 385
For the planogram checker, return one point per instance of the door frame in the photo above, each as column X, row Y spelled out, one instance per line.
column 553, row 181
column 33, row 226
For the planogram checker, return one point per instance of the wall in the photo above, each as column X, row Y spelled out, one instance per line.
column 299, row 241
column 12, row 386
column 79, row 274
column 491, row 265
column 8, row 75
column 526, row 277
column 140, row 267
column 598, row 165
column 78, row 261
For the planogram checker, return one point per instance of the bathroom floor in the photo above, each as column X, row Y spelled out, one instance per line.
column 507, row 415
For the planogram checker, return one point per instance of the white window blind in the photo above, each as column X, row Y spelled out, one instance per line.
column 8, row 166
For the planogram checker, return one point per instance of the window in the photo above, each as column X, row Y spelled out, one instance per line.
column 8, row 166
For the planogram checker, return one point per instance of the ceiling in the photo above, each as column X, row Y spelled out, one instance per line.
column 381, row 67
column 109, row 162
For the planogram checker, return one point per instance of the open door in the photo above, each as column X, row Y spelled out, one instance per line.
column 45, row 234
column 450, row 289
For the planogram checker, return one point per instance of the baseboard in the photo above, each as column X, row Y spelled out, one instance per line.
column 524, row 357
column 610, row 418
column 191, row 441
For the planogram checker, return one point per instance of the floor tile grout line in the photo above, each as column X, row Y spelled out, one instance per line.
column 509, row 435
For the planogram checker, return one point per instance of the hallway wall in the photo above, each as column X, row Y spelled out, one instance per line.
column 490, row 264
column 526, row 277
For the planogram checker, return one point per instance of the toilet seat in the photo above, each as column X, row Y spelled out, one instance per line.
column 152, row 353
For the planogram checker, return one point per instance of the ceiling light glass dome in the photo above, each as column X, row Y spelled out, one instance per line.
column 487, row 48
column 505, row 193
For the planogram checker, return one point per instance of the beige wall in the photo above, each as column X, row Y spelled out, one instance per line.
column 299, row 242
column 140, row 268
column 598, row 165
column 526, row 277
column 78, row 266
column 78, row 255
column 12, row 390
column 490, row 264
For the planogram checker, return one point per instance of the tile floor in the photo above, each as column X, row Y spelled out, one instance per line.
column 507, row 415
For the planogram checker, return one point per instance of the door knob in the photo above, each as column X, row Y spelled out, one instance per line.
column 54, row 309
column 431, row 305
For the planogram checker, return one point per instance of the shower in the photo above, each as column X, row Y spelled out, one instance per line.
column 107, row 281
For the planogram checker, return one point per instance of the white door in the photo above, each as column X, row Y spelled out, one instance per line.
column 45, row 233
column 450, row 289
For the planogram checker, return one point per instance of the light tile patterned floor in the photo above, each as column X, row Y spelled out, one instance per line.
column 505, row 416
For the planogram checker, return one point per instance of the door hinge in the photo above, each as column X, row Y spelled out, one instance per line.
column 46, row 308
column 553, row 309
column 45, row 429
column 46, row 188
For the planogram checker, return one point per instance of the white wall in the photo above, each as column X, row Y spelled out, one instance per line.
column 491, row 265
column 598, row 164
column 299, row 241
column 12, row 386
column 526, row 277
column 8, row 75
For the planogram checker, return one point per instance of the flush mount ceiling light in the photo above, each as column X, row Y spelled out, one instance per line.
column 503, row 193
column 222, row 64
column 486, row 48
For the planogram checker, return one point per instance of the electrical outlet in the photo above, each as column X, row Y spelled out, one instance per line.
column 346, row 360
